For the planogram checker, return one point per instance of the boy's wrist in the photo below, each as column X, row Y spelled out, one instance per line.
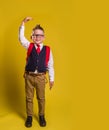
column 23, row 23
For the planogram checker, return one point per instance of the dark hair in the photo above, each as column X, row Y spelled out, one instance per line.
column 38, row 27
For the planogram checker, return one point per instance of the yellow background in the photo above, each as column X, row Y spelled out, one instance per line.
column 78, row 33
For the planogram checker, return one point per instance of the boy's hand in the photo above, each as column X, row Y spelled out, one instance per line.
column 26, row 20
column 51, row 83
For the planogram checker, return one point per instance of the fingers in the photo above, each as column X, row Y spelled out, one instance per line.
column 27, row 19
column 51, row 85
column 50, row 88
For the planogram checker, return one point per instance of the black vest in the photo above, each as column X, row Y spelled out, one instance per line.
column 36, row 61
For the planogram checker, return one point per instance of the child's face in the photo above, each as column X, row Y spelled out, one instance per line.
column 38, row 36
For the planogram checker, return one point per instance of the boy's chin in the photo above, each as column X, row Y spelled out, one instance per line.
column 37, row 42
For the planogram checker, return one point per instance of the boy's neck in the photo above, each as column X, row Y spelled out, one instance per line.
column 38, row 43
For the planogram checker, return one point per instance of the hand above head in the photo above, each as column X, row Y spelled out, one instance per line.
column 26, row 20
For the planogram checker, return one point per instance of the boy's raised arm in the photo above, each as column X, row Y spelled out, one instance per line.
column 22, row 38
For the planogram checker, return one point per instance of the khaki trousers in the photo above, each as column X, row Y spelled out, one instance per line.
column 38, row 83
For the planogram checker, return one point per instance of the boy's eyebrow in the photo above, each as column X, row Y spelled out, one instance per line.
column 38, row 34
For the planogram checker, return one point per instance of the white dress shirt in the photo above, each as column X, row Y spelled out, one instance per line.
column 25, row 43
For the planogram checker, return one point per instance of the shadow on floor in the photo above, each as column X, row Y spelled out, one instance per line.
column 15, row 99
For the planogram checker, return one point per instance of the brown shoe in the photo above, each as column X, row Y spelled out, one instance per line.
column 28, row 122
column 42, row 121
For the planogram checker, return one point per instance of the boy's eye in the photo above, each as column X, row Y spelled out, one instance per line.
column 38, row 35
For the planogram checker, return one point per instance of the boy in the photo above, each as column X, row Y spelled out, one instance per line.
column 39, row 61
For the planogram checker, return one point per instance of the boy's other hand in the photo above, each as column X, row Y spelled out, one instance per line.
column 51, row 83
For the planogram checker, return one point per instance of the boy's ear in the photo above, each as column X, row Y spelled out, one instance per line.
column 30, row 37
column 44, row 37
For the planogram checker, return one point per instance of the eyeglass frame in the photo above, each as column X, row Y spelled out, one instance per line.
column 37, row 35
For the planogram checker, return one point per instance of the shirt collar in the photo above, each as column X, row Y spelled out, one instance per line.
column 41, row 45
